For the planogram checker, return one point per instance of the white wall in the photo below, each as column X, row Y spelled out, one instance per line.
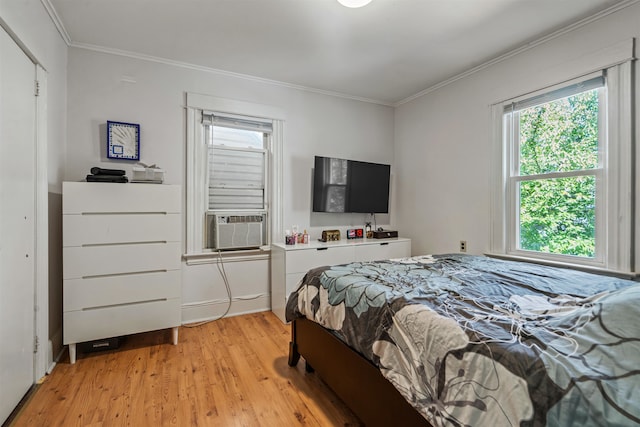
column 99, row 90
column 442, row 139
column 30, row 22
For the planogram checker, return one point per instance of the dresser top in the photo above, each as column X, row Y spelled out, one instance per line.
column 339, row 243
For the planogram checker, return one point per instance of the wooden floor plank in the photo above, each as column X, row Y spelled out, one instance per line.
column 230, row 372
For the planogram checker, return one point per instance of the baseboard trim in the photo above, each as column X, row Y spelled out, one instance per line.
column 203, row 311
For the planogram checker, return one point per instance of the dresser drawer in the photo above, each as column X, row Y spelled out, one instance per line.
column 93, row 197
column 120, row 228
column 90, row 261
column 112, row 290
column 300, row 261
column 114, row 321
column 292, row 282
column 383, row 250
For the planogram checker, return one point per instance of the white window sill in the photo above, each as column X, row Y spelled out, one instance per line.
column 585, row 268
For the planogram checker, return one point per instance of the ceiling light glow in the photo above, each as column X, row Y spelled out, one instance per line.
column 354, row 3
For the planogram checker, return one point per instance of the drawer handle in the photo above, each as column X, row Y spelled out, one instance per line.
column 129, row 273
column 149, row 242
column 124, row 213
column 321, row 249
column 124, row 304
column 384, row 244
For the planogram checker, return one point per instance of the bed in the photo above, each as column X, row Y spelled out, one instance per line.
column 453, row 340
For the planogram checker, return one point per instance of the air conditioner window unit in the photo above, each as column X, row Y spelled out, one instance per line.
column 235, row 231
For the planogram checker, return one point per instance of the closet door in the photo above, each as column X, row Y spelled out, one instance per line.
column 17, row 223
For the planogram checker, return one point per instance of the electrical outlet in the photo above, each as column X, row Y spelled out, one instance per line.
column 463, row 246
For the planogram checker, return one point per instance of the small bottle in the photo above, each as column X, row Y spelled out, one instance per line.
column 367, row 229
column 294, row 232
column 305, row 237
column 288, row 238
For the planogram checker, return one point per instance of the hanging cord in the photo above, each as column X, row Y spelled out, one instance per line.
column 225, row 279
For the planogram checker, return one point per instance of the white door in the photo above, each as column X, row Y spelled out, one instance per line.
column 17, row 223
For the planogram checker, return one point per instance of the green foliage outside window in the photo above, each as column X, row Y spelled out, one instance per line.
column 557, row 215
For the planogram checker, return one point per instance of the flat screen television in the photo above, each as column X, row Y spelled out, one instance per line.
column 341, row 185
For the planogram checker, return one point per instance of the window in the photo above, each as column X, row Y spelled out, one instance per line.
column 555, row 179
column 237, row 168
column 563, row 173
column 234, row 176
column 236, row 188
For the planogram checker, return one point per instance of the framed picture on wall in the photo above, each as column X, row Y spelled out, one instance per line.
column 123, row 140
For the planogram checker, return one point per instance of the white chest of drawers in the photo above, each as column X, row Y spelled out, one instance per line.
column 121, row 260
column 290, row 263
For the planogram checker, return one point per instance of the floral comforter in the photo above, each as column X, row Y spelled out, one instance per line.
column 476, row 341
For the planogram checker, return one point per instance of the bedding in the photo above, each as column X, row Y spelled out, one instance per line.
column 477, row 341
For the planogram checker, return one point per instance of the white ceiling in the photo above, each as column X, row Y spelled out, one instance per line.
column 385, row 52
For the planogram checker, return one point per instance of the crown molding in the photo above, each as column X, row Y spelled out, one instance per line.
column 195, row 67
column 606, row 12
column 70, row 43
column 56, row 21
column 67, row 39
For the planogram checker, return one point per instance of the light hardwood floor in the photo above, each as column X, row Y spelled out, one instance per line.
column 230, row 372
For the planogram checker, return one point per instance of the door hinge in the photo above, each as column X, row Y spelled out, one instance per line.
column 37, row 88
column 36, row 344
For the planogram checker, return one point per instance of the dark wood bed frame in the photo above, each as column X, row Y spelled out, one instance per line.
column 353, row 378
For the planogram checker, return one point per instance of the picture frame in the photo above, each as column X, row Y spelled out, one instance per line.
column 123, row 140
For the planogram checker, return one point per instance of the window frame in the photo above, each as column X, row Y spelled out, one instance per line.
column 617, row 196
column 196, row 200
column 511, row 139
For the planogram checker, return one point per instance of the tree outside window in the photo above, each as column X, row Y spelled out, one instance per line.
column 556, row 174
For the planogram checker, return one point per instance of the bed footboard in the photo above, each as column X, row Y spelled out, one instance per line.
column 352, row 377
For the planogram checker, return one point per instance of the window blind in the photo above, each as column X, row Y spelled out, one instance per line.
column 237, row 122
column 236, row 179
column 564, row 92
